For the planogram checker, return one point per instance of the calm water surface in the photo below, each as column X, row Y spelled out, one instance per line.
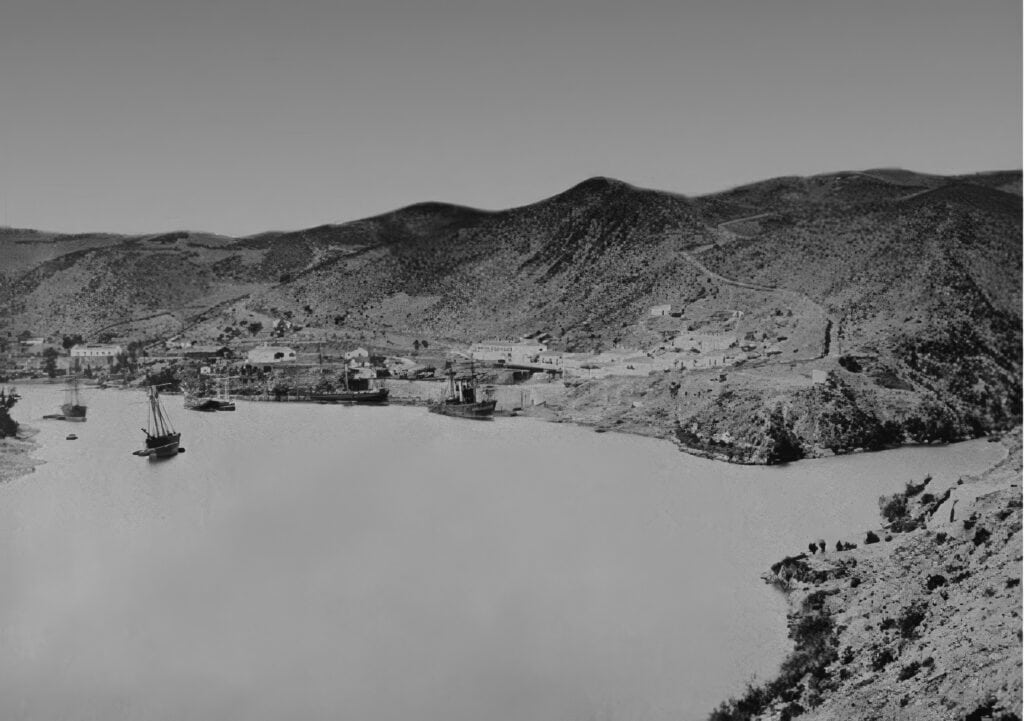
column 305, row 561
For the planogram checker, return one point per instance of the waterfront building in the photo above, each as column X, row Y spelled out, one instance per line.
column 549, row 360
column 507, row 352
column 90, row 354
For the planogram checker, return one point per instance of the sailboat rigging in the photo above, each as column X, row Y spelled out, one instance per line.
column 73, row 408
column 198, row 398
column 162, row 441
column 358, row 391
column 463, row 398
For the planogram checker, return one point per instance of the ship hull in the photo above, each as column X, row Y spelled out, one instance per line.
column 161, row 446
column 204, row 405
column 208, row 405
column 377, row 395
column 72, row 412
column 476, row 411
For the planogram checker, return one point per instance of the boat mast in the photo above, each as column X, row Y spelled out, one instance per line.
column 158, row 421
column 71, row 392
column 451, row 381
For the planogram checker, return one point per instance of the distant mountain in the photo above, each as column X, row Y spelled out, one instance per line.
column 920, row 275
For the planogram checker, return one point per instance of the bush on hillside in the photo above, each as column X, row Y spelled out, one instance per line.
column 911, row 617
column 893, row 507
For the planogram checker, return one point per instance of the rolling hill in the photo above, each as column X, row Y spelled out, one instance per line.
column 918, row 275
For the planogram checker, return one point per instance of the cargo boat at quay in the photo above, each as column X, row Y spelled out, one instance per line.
column 462, row 398
column 201, row 401
column 358, row 391
column 368, row 396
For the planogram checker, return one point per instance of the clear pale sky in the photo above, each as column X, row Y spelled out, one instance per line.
column 237, row 116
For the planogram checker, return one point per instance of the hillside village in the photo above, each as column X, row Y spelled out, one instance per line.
column 662, row 372
column 666, row 341
column 788, row 318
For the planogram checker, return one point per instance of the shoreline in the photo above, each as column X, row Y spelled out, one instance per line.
column 16, row 459
column 922, row 624
column 414, row 396
column 647, row 418
column 659, row 433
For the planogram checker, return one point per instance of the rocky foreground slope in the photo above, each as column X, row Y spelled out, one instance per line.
column 924, row 623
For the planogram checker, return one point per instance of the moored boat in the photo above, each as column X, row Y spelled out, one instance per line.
column 463, row 399
column 223, row 400
column 162, row 441
column 199, row 403
column 370, row 395
column 357, row 391
column 73, row 409
column 199, row 400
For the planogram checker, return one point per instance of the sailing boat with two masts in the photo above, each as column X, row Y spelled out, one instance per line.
column 73, row 408
column 162, row 441
column 223, row 399
column 198, row 397
column 356, row 390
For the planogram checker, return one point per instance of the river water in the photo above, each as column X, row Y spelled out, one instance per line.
column 315, row 562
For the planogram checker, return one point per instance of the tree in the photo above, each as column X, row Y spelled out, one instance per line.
column 8, row 426
column 416, row 346
column 255, row 327
column 50, row 362
column 424, row 344
column 782, row 445
column 70, row 341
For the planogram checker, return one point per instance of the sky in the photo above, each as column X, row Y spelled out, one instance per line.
column 239, row 116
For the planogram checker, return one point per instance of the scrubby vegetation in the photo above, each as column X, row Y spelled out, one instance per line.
column 803, row 676
column 8, row 426
column 929, row 628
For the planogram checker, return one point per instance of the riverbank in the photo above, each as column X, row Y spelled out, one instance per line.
column 757, row 416
column 922, row 624
column 16, row 458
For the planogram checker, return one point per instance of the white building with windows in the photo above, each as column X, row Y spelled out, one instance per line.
column 95, row 353
column 507, row 352
column 359, row 355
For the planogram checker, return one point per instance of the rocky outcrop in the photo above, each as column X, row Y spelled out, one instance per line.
column 922, row 624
